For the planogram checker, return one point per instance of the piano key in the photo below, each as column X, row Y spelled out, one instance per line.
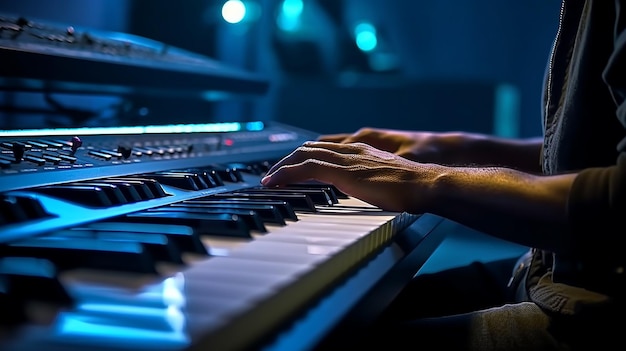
column 299, row 202
column 267, row 213
column 251, row 217
column 257, row 168
column 141, row 188
column 91, row 196
column 210, row 177
column 205, row 224
column 155, row 187
column 112, row 191
column 312, row 185
column 178, row 180
column 286, row 210
column 128, row 189
column 16, row 209
column 228, row 174
column 185, row 237
column 29, row 278
column 158, row 245
column 318, row 196
column 72, row 253
column 197, row 177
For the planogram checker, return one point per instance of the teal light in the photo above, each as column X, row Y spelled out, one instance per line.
column 365, row 36
column 155, row 129
column 255, row 126
column 507, row 111
column 290, row 15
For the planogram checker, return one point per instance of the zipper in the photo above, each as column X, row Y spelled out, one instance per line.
column 551, row 63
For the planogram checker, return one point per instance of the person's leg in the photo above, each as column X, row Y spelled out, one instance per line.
column 522, row 326
column 452, row 291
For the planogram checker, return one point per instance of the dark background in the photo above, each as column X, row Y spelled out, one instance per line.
column 474, row 65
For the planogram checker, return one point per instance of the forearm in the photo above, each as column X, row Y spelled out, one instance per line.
column 485, row 150
column 527, row 209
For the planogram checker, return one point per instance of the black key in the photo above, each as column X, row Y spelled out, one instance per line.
column 268, row 213
column 178, row 180
column 314, row 185
column 155, row 187
column 31, row 207
column 210, row 177
column 299, row 202
column 186, row 238
column 228, row 174
column 87, row 195
column 84, row 253
column 285, row 209
column 20, row 208
column 318, row 196
column 140, row 187
column 205, row 224
column 253, row 168
column 252, row 219
column 128, row 189
column 158, row 245
column 31, row 278
column 114, row 193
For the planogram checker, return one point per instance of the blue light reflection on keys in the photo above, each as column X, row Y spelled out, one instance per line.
column 113, row 317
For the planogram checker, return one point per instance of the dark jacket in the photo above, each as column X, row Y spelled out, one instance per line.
column 585, row 120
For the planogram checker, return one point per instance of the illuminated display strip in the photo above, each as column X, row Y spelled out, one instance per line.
column 156, row 129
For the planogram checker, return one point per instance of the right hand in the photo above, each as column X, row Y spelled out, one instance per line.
column 431, row 147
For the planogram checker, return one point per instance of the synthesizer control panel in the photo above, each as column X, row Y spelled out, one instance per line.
column 41, row 157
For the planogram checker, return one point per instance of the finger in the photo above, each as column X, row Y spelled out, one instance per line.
column 335, row 138
column 324, row 151
column 307, row 170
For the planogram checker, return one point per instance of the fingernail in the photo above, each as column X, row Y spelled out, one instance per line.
column 265, row 180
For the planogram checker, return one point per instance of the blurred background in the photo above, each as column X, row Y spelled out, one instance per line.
column 332, row 65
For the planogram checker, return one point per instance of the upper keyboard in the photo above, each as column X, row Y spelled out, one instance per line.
column 37, row 55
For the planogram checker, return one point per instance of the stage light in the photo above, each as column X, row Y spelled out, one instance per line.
column 365, row 36
column 289, row 17
column 234, row 11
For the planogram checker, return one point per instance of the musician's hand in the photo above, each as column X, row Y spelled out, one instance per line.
column 378, row 177
column 414, row 145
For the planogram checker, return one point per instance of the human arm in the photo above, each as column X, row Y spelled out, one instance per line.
column 528, row 209
column 450, row 148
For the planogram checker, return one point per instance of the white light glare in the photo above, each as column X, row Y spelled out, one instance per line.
column 234, row 11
